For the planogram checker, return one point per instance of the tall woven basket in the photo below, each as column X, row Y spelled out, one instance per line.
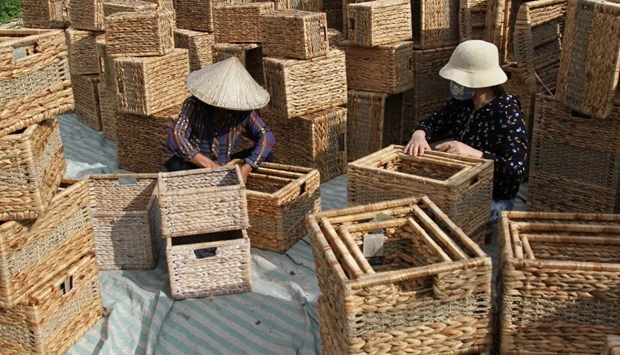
column 45, row 13
column 34, row 78
column 472, row 19
column 560, row 282
column 429, row 291
column 140, row 33
column 86, row 96
column 379, row 22
column 83, row 58
column 249, row 54
column 435, row 23
column 199, row 46
column 294, row 34
column 239, row 22
column 32, row 165
column 461, row 186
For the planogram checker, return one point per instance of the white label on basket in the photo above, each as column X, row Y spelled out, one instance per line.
column 373, row 248
column 19, row 53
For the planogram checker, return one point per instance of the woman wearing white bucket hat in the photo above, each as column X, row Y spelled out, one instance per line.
column 213, row 120
column 483, row 120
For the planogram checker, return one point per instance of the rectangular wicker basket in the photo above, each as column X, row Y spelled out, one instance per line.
column 316, row 140
column 83, row 58
column 294, row 34
column 32, row 165
column 87, row 14
column 122, row 209
column 141, row 144
column 86, row 96
column 111, row 7
column 560, row 281
column 202, row 201
column 589, row 70
column 249, row 54
column 461, row 186
column 107, row 109
column 472, row 19
column 198, row 44
column 195, row 15
column 374, row 121
column 575, row 163
column 279, row 198
column 429, row 291
column 140, row 33
column 56, row 314
column 300, row 87
column 34, row 78
column 45, row 13
column 385, row 68
column 380, row 22
column 146, row 85
column 33, row 251
column 435, row 24
column 209, row 265
column 239, row 22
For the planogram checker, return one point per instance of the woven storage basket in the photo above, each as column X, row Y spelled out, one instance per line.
column 379, row 22
column 141, row 144
column 199, row 46
column 34, row 78
column 45, row 13
column 202, row 201
column 83, row 58
column 140, row 33
column 86, row 96
column 87, row 14
column 374, row 121
column 33, row 251
column 462, row 187
column 107, row 109
column 123, row 207
column 294, row 34
column 197, row 15
column 249, row 54
column 316, row 140
column 435, row 23
column 239, row 22
column 147, row 85
column 32, row 164
column 344, row 9
column 430, row 291
column 560, row 282
column 385, row 68
column 575, row 161
column 301, row 87
column 57, row 313
column 472, row 19
column 111, row 7
column 209, row 265
column 279, row 198
column 613, row 345
column 589, row 69
column 106, row 65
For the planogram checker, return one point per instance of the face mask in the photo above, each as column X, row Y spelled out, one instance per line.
column 461, row 92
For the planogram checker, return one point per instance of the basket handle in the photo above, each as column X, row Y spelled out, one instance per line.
column 410, row 64
column 66, row 286
column 205, row 253
column 324, row 32
column 21, row 52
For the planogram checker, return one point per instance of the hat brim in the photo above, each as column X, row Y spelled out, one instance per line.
column 475, row 80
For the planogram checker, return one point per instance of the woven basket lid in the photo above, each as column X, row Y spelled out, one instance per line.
column 227, row 84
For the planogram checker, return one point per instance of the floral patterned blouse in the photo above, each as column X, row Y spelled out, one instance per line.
column 497, row 129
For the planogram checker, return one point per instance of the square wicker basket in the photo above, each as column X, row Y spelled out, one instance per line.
column 33, row 251
column 86, row 96
column 209, row 265
column 202, row 201
column 560, row 281
column 385, row 68
column 461, row 186
column 146, row 85
column 56, row 314
column 198, row 44
column 294, row 34
column 32, row 165
column 249, row 54
column 196, row 15
column 140, row 34
column 429, row 291
column 239, row 22
column 45, row 13
column 87, row 14
column 379, row 22
column 35, row 84
column 83, row 58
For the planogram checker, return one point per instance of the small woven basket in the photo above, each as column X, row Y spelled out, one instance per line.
column 140, row 33
column 294, row 34
column 202, row 201
column 107, row 109
column 379, row 22
column 83, row 58
column 199, row 46
column 147, row 85
column 435, row 24
column 301, row 87
column 209, row 265
column 121, row 205
column 32, row 165
column 111, row 7
column 86, row 96
column 34, row 78
column 461, row 186
column 34, row 251
column 56, row 314
column 45, row 13
column 249, row 54
column 472, row 19
column 559, row 283
column 315, row 141
column 429, row 291
column 87, row 14
column 374, row 121
column 239, row 22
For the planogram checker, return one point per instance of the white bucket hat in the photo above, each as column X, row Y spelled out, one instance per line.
column 474, row 64
column 227, row 84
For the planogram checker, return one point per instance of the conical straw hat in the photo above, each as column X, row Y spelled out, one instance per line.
column 227, row 84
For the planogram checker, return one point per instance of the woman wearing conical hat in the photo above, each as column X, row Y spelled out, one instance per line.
column 213, row 120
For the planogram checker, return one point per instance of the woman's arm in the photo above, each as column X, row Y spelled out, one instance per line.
column 259, row 132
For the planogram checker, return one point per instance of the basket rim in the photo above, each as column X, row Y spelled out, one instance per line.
column 26, row 35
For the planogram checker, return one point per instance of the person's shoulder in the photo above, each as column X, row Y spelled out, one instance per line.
column 509, row 99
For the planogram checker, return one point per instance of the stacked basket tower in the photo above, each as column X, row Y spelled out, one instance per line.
column 49, row 287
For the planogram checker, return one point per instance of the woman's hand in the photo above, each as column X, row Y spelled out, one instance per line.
column 460, row 148
column 417, row 144
column 246, row 169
